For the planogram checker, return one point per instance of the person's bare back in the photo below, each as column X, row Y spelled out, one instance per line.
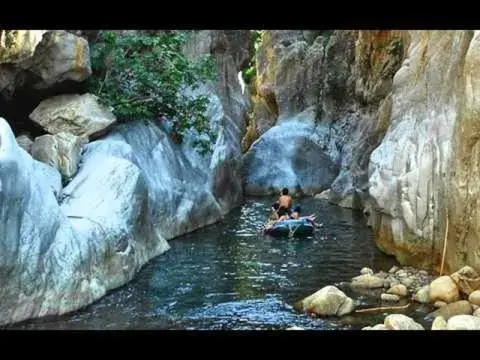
column 285, row 199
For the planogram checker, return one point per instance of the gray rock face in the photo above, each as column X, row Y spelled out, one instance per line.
column 134, row 190
column 41, row 58
column 60, row 56
column 339, row 80
column 62, row 151
column 290, row 155
column 25, row 142
column 80, row 115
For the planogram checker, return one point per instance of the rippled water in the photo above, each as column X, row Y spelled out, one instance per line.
column 230, row 276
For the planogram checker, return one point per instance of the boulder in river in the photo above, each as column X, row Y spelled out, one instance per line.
column 461, row 307
column 328, row 301
column 445, row 289
column 367, row 281
column 463, row 322
column 401, row 322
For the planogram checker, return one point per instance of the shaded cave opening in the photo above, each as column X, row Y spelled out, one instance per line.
column 15, row 109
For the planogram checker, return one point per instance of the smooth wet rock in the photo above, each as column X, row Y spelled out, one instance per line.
column 303, row 165
column 423, row 295
column 474, row 297
column 438, row 304
column 62, row 151
column 461, row 307
column 328, row 301
column 80, row 115
column 399, row 289
column 467, row 279
column 393, row 269
column 25, row 142
column 366, row 271
column 444, row 289
column 401, row 322
column 439, row 323
column 463, row 322
column 389, row 297
column 367, row 281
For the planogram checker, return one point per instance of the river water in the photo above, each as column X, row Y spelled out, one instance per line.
column 229, row 276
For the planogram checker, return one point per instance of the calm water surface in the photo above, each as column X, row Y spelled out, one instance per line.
column 230, row 276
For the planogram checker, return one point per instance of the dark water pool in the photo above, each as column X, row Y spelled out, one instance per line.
column 229, row 276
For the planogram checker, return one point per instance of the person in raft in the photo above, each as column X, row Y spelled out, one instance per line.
column 285, row 201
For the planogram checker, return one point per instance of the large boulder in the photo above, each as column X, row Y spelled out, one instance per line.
column 60, row 56
column 18, row 45
column 328, row 301
column 40, row 59
column 25, row 142
column 401, row 322
column 80, row 115
column 463, row 322
column 289, row 155
column 461, row 307
column 444, row 289
column 467, row 279
column 61, row 151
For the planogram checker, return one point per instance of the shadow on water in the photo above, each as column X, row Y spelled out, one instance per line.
column 229, row 276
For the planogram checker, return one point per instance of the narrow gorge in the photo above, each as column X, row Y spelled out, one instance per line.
column 379, row 125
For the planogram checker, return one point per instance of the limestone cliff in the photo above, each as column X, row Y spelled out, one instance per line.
column 334, row 86
column 426, row 166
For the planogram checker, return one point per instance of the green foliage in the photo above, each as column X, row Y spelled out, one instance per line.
column 142, row 76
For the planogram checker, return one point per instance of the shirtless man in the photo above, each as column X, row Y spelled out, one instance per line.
column 285, row 200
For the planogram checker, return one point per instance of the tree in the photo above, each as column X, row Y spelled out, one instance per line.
column 144, row 76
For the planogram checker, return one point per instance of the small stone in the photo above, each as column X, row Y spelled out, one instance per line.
column 422, row 295
column 367, row 281
column 475, row 307
column 401, row 273
column 381, row 275
column 366, row 271
column 439, row 304
column 407, row 282
column 477, row 312
column 423, row 273
column 393, row 270
column 439, row 323
column 389, row 297
column 474, row 297
column 399, row 289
